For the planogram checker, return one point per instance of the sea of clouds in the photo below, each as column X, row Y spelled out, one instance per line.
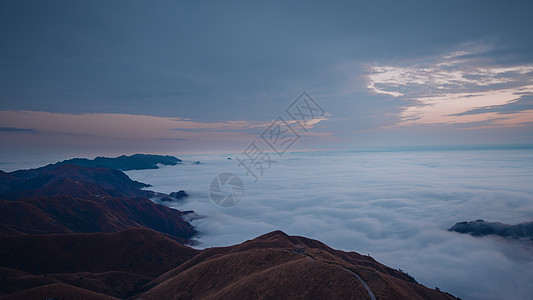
column 395, row 206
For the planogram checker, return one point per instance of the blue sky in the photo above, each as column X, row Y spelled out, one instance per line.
column 109, row 77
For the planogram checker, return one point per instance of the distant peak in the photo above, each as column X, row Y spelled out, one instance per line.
column 125, row 163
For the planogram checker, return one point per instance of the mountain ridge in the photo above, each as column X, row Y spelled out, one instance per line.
column 124, row 162
column 68, row 231
column 148, row 265
column 69, row 199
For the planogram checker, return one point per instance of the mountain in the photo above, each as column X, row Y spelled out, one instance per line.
column 125, row 163
column 65, row 179
column 85, row 266
column 143, row 264
column 74, row 232
column 70, row 199
column 481, row 228
column 279, row 266
column 135, row 250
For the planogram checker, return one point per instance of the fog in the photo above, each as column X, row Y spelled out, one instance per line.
column 395, row 206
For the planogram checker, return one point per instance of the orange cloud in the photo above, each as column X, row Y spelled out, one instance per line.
column 449, row 87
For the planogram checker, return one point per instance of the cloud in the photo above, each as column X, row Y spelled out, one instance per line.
column 451, row 108
column 457, row 88
column 521, row 104
column 13, row 129
column 373, row 87
column 125, row 125
column 396, row 206
column 124, row 133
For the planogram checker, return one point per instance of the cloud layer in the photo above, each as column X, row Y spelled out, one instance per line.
column 396, row 206
column 445, row 88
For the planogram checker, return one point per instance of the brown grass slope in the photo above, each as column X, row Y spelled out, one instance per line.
column 116, row 284
column 139, row 251
column 114, row 264
column 278, row 266
column 58, row 291
column 126, row 264
column 72, row 199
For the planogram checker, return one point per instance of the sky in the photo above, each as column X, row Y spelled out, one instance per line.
column 87, row 78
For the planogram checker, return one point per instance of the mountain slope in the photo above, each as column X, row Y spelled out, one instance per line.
column 143, row 264
column 70, row 199
column 279, row 266
column 64, row 179
column 116, row 264
column 139, row 251
column 90, row 233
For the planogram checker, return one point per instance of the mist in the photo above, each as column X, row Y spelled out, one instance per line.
column 394, row 206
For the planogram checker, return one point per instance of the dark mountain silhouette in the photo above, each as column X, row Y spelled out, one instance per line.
column 125, row 163
column 481, row 228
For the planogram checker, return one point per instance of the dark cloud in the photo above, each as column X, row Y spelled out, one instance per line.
column 523, row 103
column 13, row 129
column 214, row 61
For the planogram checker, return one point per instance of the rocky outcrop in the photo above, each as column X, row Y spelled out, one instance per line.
column 482, row 228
